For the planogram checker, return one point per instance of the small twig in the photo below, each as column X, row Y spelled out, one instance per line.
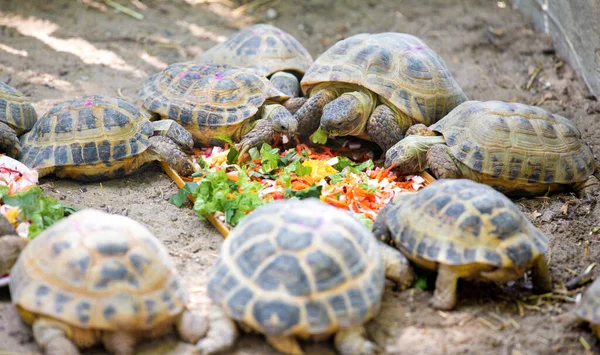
column 443, row 314
column 585, row 344
column 121, row 94
column 582, row 279
column 242, row 9
column 127, row 11
column 534, row 75
column 489, row 324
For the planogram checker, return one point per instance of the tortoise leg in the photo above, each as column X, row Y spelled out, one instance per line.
column 191, row 327
column 286, row 83
column 542, row 281
column 53, row 338
column 444, row 296
column 9, row 143
column 442, row 163
column 419, row 130
column 383, row 127
column 262, row 132
column 164, row 149
column 352, row 341
column 380, row 228
column 588, row 188
column 10, row 248
column 286, row 345
column 397, row 267
column 175, row 131
column 119, row 343
column 294, row 104
column 222, row 332
column 309, row 115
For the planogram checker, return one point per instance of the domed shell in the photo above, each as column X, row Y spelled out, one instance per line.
column 517, row 142
column 264, row 48
column 458, row 222
column 588, row 308
column 15, row 110
column 398, row 67
column 207, row 98
column 88, row 130
column 298, row 268
column 100, row 271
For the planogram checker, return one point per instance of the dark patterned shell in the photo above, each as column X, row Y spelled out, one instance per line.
column 15, row 110
column 298, row 268
column 88, row 130
column 589, row 307
column 398, row 67
column 95, row 270
column 264, row 48
column 459, row 222
column 207, row 99
column 517, row 142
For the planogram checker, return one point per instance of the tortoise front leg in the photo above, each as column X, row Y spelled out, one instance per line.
column 444, row 296
column 352, row 341
column 174, row 131
column 383, row 127
column 542, row 281
column 164, row 149
column 191, row 327
column 262, row 132
column 309, row 115
column 222, row 332
column 52, row 337
column 397, row 267
column 294, row 104
column 588, row 188
column 442, row 163
column 9, row 143
column 119, row 343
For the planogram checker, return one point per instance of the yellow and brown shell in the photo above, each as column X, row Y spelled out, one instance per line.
column 461, row 222
column 208, row 100
column 516, row 143
column 15, row 110
column 92, row 130
column 398, row 67
column 264, row 48
column 95, row 270
column 298, row 267
column 588, row 309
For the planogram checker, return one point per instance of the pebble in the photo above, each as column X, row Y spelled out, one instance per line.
column 125, row 212
column 174, row 218
column 271, row 13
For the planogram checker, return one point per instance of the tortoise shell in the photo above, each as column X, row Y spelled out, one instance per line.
column 398, row 67
column 460, row 222
column 207, row 99
column 588, row 309
column 298, row 267
column 93, row 270
column 517, row 142
column 264, row 48
column 15, row 110
column 86, row 131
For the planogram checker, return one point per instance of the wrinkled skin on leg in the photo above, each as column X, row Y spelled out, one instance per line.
column 442, row 163
column 191, row 327
column 420, row 130
column 397, row 267
column 294, row 104
column 222, row 332
column 9, row 143
column 287, row 83
column 309, row 115
column 352, row 341
column 444, row 296
column 164, row 149
column 174, row 131
column 383, row 128
column 380, row 228
column 119, row 343
column 53, row 338
column 409, row 156
column 588, row 189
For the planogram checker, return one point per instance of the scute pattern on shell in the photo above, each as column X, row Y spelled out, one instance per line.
column 462, row 222
column 94, row 270
column 517, row 142
column 398, row 67
column 589, row 307
column 298, row 268
column 86, row 130
column 264, row 48
column 15, row 110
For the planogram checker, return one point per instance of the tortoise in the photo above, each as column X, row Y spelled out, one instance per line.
column 300, row 269
column 212, row 101
column 463, row 229
column 587, row 309
column 96, row 278
column 100, row 137
column 268, row 50
column 517, row 149
column 11, row 245
column 375, row 86
column 17, row 116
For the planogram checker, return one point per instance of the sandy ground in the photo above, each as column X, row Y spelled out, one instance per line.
column 53, row 51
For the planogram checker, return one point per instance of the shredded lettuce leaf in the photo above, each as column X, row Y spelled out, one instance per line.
column 319, row 137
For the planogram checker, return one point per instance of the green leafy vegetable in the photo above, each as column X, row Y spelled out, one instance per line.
column 269, row 158
column 365, row 221
column 179, row 198
column 296, row 167
column 254, row 154
column 363, row 166
column 342, row 163
column 286, row 179
column 319, row 137
column 233, row 152
column 313, row 191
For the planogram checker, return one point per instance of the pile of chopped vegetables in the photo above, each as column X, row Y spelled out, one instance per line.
column 22, row 202
column 230, row 191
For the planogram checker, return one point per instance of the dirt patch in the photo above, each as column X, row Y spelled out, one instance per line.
column 54, row 51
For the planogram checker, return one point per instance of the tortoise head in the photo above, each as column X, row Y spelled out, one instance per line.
column 347, row 115
column 282, row 120
column 409, row 156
